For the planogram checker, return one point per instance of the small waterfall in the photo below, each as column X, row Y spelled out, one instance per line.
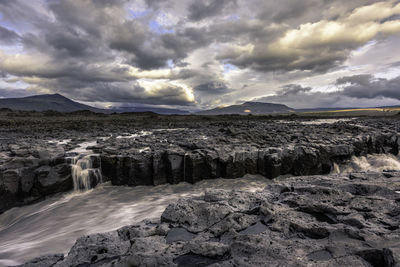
column 86, row 172
column 372, row 163
column 184, row 167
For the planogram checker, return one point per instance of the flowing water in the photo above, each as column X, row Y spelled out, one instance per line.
column 373, row 162
column 85, row 167
column 84, row 174
column 53, row 225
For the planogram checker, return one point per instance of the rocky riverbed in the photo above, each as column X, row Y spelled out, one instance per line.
column 42, row 156
column 37, row 164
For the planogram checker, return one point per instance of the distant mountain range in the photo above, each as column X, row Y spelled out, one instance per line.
column 166, row 111
column 255, row 108
column 57, row 102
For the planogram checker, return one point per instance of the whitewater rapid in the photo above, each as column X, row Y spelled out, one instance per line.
column 369, row 163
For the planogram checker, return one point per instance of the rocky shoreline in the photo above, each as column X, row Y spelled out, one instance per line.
column 332, row 220
column 33, row 167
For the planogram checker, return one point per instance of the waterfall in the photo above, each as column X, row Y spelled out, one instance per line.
column 86, row 172
column 184, row 167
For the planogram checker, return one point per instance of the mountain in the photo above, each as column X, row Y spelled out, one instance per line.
column 165, row 111
column 256, row 108
column 55, row 102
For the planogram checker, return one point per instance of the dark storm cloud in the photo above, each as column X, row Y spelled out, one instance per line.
column 199, row 10
column 7, row 36
column 293, row 89
column 296, row 96
column 68, row 43
column 303, row 11
column 212, row 88
column 63, row 71
column 80, row 45
column 308, row 60
column 302, row 38
column 140, row 46
column 97, row 50
column 126, row 93
column 155, row 3
column 356, row 90
column 118, row 92
column 366, row 86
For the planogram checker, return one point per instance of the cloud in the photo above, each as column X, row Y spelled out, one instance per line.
column 199, row 10
column 162, row 93
column 174, row 52
column 212, row 88
column 351, row 91
column 318, row 46
column 12, row 92
column 294, row 89
column 297, row 96
column 7, row 36
column 366, row 86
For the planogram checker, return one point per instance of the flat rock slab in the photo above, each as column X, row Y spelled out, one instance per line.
column 178, row 234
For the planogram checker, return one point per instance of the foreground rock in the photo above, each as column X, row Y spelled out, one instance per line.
column 29, row 172
column 333, row 220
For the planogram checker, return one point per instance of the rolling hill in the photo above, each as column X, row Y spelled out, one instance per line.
column 255, row 108
column 55, row 102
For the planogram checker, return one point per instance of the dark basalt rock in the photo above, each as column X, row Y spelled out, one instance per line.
column 297, row 221
column 31, row 168
column 28, row 184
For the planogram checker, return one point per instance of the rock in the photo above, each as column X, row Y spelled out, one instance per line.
column 31, row 182
column 10, row 180
column 144, row 229
column 206, row 215
column 297, row 221
column 178, row 234
column 54, row 179
column 44, row 261
column 95, row 249
column 27, row 179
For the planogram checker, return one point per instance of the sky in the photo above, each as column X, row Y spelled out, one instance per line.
column 193, row 55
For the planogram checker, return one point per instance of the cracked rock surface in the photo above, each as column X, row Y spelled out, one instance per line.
column 35, row 164
column 332, row 220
